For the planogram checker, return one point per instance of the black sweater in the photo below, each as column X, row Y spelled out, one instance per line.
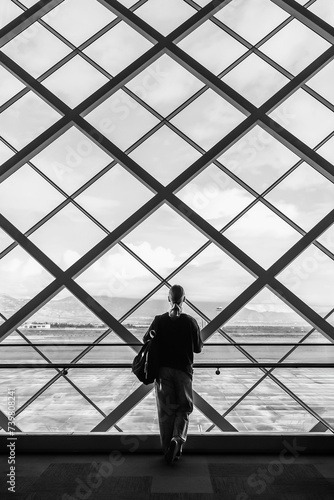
column 177, row 341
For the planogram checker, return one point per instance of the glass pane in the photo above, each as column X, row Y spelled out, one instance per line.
column 295, row 46
column 164, row 85
column 267, row 319
column 212, row 280
column 305, row 117
column 67, row 236
column 262, row 235
column 122, row 119
column 258, row 159
column 117, row 281
column 5, row 240
column 327, row 239
column 268, row 408
column 311, row 277
column 222, row 391
column 314, row 387
column 255, row 79
column 212, row 47
column 5, row 153
column 164, row 155
column 93, row 382
column 75, row 81
column 59, row 409
column 29, row 3
column 305, row 196
column 324, row 10
column 143, row 417
column 19, row 126
column 36, row 49
column 215, row 196
column 165, row 15
column 8, row 12
column 22, row 206
column 27, row 381
column 118, row 48
column 78, row 20
column 10, row 85
column 114, row 197
column 243, row 17
column 322, row 82
column 164, row 240
column 208, row 119
column 21, row 277
column 327, row 150
column 71, row 160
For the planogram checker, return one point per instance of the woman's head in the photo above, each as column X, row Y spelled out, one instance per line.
column 176, row 297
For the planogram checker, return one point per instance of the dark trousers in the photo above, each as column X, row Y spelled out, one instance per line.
column 174, row 398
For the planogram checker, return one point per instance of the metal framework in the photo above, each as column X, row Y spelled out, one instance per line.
column 167, row 194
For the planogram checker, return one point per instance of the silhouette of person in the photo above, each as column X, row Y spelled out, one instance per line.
column 177, row 337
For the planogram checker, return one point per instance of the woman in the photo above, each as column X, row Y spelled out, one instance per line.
column 177, row 337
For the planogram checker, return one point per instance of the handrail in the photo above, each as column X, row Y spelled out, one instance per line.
column 206, row 344
column 196, row 365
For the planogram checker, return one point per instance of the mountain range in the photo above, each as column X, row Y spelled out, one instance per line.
column 71, row 310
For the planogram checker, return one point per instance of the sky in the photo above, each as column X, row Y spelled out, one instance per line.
column 165, row 239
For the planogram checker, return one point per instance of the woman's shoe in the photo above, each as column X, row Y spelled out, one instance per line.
column 173, row 450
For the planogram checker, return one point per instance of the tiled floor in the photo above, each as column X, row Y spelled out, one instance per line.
column 147, row 477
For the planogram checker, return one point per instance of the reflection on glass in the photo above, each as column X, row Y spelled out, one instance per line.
column 164, row 240
column 78, row 20
column 36, row 49
column 212, row 47
column 305, row 196
column 208, row 119
column 215, row 196
column 75, row 81
column 165, row 15
column 311, row 278
column 212, row 280
column 67, row 236
column 117, row 281
column 269, row 408
column 164, row 155
column 252, row 20
column 122, row 119
column 21, row 278
column 164, row 85
column 71, row 160
column 59, row 409
column 322, row 82
column 25, row 197
column 295, row 46
column 305, row 117
column 258, row 159
column 114, row 197
column 10, row 85
column 19, row 125
column 255, row 79
column 118, row 48
column 262, row 235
